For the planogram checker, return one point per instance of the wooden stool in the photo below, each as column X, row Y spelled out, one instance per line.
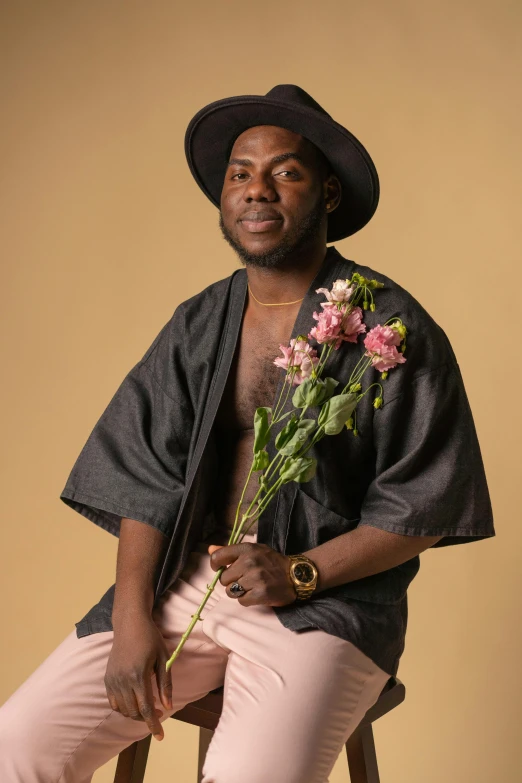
column 205, row 713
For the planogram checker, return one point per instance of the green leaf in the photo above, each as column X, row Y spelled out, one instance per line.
column 312, row 392
column 293, row 444
column 308, row 425
column 299, row 399
column 287, row 432
column 335, row 412
column 261, row 460
column 307, row 473
column 298, row 469
column 261, row 428
column 327, row 389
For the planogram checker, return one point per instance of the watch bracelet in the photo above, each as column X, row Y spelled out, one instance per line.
column 303, row 591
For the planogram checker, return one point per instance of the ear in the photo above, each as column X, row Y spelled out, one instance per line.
column 332, row 192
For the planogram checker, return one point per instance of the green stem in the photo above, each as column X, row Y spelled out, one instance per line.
column 353, row 377
column 361, row 395
column 197, row 615
column 241, row 498
column 195, row 618
column 285, row 383
column 322, row 361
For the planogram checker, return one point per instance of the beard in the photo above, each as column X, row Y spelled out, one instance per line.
column 288, row 249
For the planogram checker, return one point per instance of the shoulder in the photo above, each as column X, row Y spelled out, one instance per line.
column 196, row 323
column 205, row 310
column 428, row 353
column 209, row 296
column 197, row 314
column 190, row 338
column 427, row 345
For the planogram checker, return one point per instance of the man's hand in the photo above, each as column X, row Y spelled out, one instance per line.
column 138, row 650
column 263, row 572
column 138, row 654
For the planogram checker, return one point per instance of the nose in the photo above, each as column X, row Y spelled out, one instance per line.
column 259, row 188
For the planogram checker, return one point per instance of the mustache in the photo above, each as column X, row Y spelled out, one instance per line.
column 284, row 254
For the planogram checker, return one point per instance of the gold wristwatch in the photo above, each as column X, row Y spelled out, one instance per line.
column 303, row 574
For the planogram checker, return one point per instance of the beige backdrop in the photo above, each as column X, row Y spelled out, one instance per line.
column 105, row 232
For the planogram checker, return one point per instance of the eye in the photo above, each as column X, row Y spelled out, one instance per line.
column 287, row 171
column 239, row 174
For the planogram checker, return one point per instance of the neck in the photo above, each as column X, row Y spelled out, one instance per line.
column 285, row 284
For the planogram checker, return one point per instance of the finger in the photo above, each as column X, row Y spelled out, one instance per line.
column 252, row 598
column 239, row 597
column 249, row 581
column 164, row 680
column 112, row 700
column 121, row 705
column 226, row 555
column 148, row 711
column 131, row 705
column 234, row 573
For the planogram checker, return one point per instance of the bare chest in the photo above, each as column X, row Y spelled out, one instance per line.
column 253, row 377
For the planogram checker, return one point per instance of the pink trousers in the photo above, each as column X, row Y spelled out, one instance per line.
column 291, row 699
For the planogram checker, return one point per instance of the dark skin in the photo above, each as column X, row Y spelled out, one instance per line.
column 283, row 258
column 138, row 653
column 290, row 187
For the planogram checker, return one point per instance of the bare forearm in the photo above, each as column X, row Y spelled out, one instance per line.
column 139, row 554
column 362, row 552
column 138, row 652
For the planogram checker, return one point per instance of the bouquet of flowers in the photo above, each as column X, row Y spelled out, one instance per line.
column 340, row 320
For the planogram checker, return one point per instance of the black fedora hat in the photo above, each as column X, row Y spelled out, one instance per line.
column 212, row 131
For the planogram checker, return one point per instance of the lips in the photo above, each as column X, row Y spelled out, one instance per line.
column 257, row 221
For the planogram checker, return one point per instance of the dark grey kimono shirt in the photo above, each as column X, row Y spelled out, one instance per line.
column 415, row 469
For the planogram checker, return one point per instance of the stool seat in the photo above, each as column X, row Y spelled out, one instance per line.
column 205, row 713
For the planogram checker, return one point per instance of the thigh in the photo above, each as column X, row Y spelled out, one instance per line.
column 59, row 725
column 291, row 701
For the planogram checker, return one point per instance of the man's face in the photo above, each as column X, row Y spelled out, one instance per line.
column 273, row 201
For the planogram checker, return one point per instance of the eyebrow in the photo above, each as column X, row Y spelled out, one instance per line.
column 277, row 159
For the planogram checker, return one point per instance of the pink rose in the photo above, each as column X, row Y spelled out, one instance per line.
column 381, row 346
column 335, row 325
column 352, row 326
column 328, row 325
column 299, row 359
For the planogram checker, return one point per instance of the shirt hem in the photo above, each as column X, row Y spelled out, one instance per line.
column 83, row 504
column 411, row 530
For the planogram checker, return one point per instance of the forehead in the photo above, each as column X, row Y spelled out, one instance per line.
column 263, row 140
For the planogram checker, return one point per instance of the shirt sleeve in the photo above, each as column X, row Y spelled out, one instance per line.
column 430, row 478
column 134, row 461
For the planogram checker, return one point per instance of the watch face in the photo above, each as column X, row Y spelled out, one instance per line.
column 304, row 573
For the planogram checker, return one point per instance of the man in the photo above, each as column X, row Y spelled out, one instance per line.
column 301, row 660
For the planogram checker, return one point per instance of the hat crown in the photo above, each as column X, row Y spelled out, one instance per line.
column 291, row 93
column 211, row 133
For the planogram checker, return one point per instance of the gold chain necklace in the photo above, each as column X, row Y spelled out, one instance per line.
column 274, row 304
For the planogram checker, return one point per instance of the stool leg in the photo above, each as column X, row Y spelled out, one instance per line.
column 205, row 737
column 132, row 762
column 362, row 760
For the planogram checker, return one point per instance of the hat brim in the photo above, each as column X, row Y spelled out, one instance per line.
column 212, row 131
